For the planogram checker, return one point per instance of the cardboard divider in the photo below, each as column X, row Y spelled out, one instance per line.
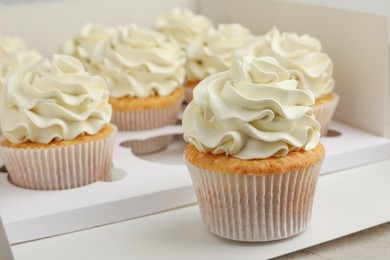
column 147, row 184
column 5, row 248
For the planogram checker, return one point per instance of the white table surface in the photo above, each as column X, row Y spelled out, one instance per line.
column 346, row 202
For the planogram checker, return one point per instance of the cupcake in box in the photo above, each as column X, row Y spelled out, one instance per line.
column 55, row 121
column 182, row 25
column 254, row 154
column 144, row 70
column 302, row 55
column 213, row 52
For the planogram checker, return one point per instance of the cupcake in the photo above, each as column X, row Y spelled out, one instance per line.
column 213, row 52
column 254, row 154
column 55, row 122
column 144, row 70
column 303, row 57
column 182, row 25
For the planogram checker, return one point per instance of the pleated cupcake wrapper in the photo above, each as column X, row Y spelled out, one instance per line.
column 60, row 167
column 324, row 113
column 188, row 95
column 140, row 120
column 255, row 208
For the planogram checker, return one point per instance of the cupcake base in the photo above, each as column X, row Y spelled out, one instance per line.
column 61, row 165
column 324, row 109
column 189, row 89
column 255, row 207
column 151, row 113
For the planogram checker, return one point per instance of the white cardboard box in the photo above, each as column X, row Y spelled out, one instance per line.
column 159, row 182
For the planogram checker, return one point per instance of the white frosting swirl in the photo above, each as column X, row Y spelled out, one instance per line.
column 139, row 62
column 55, row 100
column 182, row 25
column 214, row 52
column 253, row 110
column 301, row 55
column 11, row 44
column 13, row 60
column 83, row 45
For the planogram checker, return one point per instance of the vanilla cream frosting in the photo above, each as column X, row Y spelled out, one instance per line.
column 13, row 60
column 214, row 52
column 139, row 62
column 84, row 43
column 301, row 55
column 253, row 110
column 56, row 100
column 182, row 25
column 11, row 44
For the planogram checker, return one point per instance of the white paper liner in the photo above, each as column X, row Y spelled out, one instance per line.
column 324, row 113
column 189, row 90
column 140, row 120
column 255, row 208
column 58, row 168
column 188, row 95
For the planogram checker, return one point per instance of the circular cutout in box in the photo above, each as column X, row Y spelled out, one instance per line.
column 171, row 155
